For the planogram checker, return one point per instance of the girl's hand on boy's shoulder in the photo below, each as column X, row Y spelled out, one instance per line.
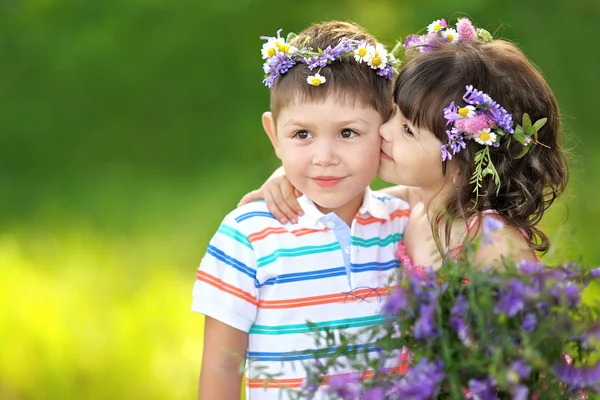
column 280, row 197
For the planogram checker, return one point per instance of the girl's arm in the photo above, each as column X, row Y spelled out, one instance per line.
column 282, row 198
column 224, row 351
column 412, row 195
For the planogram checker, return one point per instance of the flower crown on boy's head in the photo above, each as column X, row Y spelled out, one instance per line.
column 281, row 56
column 439, row 30
column 486, row 122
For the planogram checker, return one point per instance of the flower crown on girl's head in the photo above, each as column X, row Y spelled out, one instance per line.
column 486, row 122
column 281, row 56
column 440, row 31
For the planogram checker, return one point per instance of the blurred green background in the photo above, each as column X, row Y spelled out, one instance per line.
column 131, row 127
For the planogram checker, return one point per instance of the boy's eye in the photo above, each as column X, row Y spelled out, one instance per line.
column 407, row 130
column 302, row 135
column 348, row 134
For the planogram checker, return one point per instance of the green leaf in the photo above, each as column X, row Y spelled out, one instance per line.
column 290, row 37
column 525, row 151
column 527, row 127
column 537, row 126
column 519, row 134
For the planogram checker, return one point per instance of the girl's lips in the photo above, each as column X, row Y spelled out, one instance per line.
column 385, row 156
column 327, row 181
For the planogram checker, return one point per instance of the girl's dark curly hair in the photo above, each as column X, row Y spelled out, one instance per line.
column 431, row 81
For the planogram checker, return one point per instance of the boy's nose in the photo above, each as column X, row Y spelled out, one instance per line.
column 325, row 155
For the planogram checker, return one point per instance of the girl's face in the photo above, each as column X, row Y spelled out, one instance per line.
column 410, row 156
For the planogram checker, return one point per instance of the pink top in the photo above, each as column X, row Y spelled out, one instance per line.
column 409, row 267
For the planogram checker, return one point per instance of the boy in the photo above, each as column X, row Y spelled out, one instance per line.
column 261, row 281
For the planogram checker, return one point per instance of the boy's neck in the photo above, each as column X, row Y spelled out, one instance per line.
column 348, row 211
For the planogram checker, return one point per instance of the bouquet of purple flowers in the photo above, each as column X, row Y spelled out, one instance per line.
column 517, row 332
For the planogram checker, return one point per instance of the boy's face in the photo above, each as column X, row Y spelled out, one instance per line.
column 330, row 150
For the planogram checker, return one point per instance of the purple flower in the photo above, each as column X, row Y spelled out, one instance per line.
column 310, row 387
column 420, row 382
column 319, row 61
column 520, row 392
column 346, row 386
column 519, row 370
column 396, row 301
column 277, row 66
column 451, row 113
column 387, row 72
column 490, row 224
column 458, row 315
column 483, row 389
column 376, row 393
column 456, row 142
column 425, row 325
column 413, row 41
column 595, row 273
column 529, row 322
column 473, row 96
column 512, row 298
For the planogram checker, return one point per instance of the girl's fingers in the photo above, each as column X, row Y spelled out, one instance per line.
column 282, row 206
column 289, row 196
column 250, row 197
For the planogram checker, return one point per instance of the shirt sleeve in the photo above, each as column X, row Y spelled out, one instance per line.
column 225, row 286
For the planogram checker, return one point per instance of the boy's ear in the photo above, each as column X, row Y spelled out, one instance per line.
column 269, row 126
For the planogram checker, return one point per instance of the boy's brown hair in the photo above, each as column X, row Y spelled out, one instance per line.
column 349, row 80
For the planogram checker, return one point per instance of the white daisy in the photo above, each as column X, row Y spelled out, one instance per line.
column 451, row 35
column 379, row 58
column 363, row 52
column 272, row 47
column 316, row 79
column 466, row 112
column 485, row 137
column 436, row 25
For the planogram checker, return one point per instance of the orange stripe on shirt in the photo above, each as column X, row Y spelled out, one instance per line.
column 297, row 382
column 225, row 287
column 356, row 295
column 274, row 231
column 393, row 215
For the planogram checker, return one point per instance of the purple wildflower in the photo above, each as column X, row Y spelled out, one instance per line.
column 310, row 387
column 490, row 225
column 376, row 393
column 520, row 392
column 345, row 386
column 512, row 299
column 321, row 60
column 413, row 41
column 420, row 382
column 451, row 113
column 456, row 142
column 529, row 322
column 519, row 370
column 425, row 325
column 483, row 389
column 465, row 29
column 458, row 315
column 595, row 273
column 277, row 66
column 387, row 72
column 396, row 301
column 473, row 96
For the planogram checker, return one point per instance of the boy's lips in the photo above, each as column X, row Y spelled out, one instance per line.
column 328, row 181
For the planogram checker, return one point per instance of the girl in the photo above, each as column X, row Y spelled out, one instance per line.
column 475, row 132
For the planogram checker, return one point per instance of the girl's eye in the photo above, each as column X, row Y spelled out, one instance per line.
column 348, row 134
column 302, row 135
column 407, row 130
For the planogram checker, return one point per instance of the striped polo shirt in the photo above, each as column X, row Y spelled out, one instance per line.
column 271, row 280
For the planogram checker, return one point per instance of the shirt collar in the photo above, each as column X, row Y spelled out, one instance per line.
column 372, row 205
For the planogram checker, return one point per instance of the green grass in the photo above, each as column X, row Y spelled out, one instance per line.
column 85, row 322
